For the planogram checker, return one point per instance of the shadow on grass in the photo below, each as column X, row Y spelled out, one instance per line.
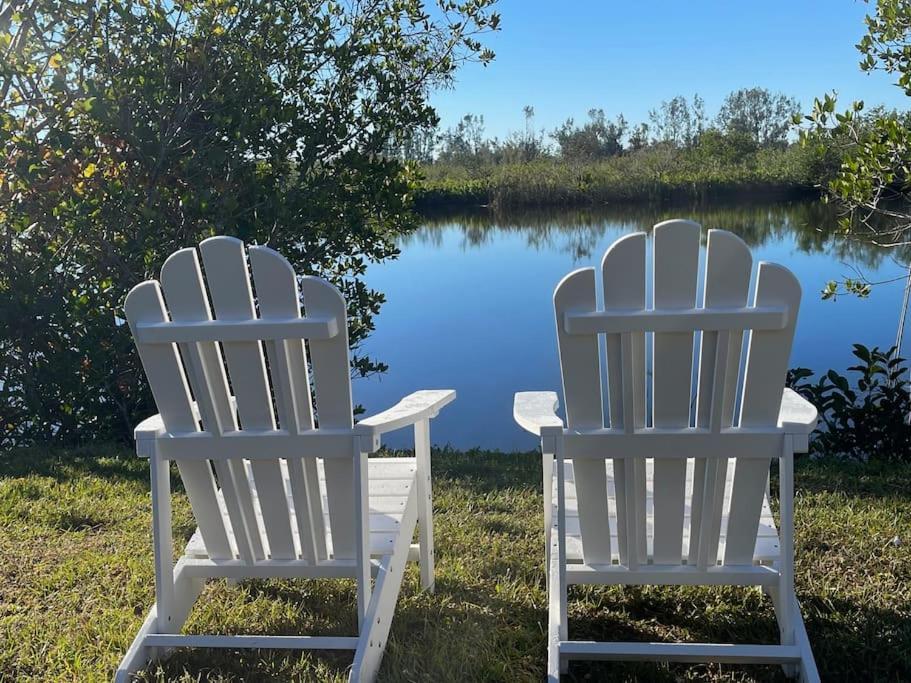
column 872, row 479
column 108, row 461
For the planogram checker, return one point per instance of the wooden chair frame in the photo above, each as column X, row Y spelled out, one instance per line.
column 710, row 444
column 232, row 543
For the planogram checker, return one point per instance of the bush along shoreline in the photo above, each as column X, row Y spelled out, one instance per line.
column 866, row 420
column 646, row 176
column 681, row 154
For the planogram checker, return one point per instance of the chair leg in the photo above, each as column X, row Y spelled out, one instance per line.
column 378, row 619
column 186, row 591
column 547, row 465
column 806, row 671
column 425, row 503
column 556, row 614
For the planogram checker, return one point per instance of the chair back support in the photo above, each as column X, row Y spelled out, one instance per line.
column 229, row 366
column 692, row 403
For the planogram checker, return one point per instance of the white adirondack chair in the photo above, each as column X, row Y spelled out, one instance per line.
column 657, row 482
column 272, row 497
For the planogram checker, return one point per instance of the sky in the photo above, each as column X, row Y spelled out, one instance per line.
column 564, row 57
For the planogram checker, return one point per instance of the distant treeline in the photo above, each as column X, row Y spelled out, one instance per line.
column 679, row 154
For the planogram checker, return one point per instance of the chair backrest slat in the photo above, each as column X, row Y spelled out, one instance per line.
column 675, row 276
column 168, row 382
column 277, row 294
column 766, row 366
column 331, row 381
column 623, row 281
column 582, row 393
column 727, row 282
column 181, row 280
column 232, row 298
column 699, row 402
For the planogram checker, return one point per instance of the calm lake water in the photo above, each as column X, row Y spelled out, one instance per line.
column 469, row 304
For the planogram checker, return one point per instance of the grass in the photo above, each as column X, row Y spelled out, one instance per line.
column 655, row 174
column 76, row 581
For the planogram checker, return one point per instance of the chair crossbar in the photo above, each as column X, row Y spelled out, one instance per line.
column 236, row 330
column 680, row 652
column 269, row 569
column 676, row 320
column 252, row 444
column 671, row 575
column 672, row 443
column 256, row 642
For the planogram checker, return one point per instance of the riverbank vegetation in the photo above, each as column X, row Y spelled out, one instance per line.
column 680, row 154
column 652, row 175
column 865, row 419
column 76, row 578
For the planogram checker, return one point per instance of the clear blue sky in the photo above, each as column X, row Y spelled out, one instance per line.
column 565, row 57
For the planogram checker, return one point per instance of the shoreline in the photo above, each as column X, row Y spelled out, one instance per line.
column 435, row 201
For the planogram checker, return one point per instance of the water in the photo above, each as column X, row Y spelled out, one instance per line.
column 469, row 304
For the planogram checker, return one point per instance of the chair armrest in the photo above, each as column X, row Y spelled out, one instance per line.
column 797, row 417
column 421, row 405
column 146, row 433
column 536, row 410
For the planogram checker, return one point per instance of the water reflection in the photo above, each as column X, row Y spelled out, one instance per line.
column 469, row 302
column 811, row 226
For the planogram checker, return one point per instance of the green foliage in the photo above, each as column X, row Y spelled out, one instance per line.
column 675, row 157
column 726, row 148
column 873, row 149
column 596, row 139
column 867, row 421
column 129, row 129
column 858, row 287
column 755, row 112
column 678, row 122
column 656, row 173
column 464, row 144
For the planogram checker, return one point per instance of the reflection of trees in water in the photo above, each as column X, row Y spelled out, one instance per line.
column 811, row 226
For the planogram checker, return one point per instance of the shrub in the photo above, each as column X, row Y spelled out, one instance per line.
column 131, row 129
column 868, row 421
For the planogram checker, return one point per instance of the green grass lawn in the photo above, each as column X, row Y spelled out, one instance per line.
column 76, row 582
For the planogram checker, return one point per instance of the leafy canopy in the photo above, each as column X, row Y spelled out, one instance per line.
column 131, row 128
column 873, row 148
column 763, row 116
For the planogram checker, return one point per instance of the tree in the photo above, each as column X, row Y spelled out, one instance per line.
column 638, row 137
column 872, row 184
column 724, row 149
column 764, row 116
column 418, row 147
column 678, row 123
column 464, row 143
column 129, row 129
column 519, row 147
column 597, row 139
